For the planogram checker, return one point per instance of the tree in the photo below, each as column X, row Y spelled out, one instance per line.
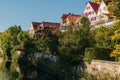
column 32, row 60
column 8, row 43
column 102, row 37
column 74, row 42
column 96, row 1
column 116, row 52
column 10, row 36
column 114, row 8
column 47, row 41
column 85, row 22
column 8, row 39
column 116, row 41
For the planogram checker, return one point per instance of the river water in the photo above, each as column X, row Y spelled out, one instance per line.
column 3, row 75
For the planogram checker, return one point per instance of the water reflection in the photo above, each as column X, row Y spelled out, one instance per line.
column 9, row 71
column 3, row 75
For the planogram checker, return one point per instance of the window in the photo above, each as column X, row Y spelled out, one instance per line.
column 100, row 10
column 93, row 18
column 88, row 7
column 85, row 14
column 104, row 8
column 89, row 13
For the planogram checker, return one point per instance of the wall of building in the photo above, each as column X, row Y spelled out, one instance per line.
column 90, row 12
column 102, row 8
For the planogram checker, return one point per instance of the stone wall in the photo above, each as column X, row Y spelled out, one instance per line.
column 100, row 67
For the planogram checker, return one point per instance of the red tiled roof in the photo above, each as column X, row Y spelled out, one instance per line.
column 53, row 25
column 110, row 16
column 36, row 25
column 73, row 18
column 64, row 16
column 95, row 6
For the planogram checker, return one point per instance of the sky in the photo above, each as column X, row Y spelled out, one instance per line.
column 23, row 12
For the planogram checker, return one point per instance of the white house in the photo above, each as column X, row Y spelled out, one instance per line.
column 103, row 7
column 90, row 11
column 104, row 17
column 98, row 14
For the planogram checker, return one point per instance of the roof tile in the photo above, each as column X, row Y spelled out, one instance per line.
column 95, row 6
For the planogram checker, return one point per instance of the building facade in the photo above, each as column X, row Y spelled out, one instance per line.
column 40, row 26
column 98, row 14
column 70, row 19
column 90, row 12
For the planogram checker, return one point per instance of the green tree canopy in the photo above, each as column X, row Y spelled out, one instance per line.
column 114, row 8
column 96, row 1
column 102, row 37
column 85, row 22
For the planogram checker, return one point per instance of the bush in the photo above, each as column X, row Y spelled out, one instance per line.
column 97, row 53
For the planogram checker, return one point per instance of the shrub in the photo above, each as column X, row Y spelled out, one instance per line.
column 97, row 53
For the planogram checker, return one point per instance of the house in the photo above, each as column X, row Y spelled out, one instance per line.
column 103, row 7
column 34, row 28
column 70, row 19
column 90, row 11
column 37, row 26
column 98, row 14
column 104, row 17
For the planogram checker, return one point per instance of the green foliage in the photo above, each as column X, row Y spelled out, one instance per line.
column 9, row 39
column 47, row 43
column 89, row 54
column 115, row 38
column 114, row 8
column 97, row 1
column 85, row 22
column 22, row 36
column 97, row 53
column 29, row 47
column 9, row 44
column 73, row 44
column 102, row 37
column 116, row 52
column 49, row 70
column 10, row 36
column 69, row 46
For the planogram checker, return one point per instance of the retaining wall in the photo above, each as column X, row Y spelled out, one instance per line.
column 100, row 67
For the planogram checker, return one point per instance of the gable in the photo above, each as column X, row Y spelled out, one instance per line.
column 95, row 6
column 36, row 25
column 90, row 8
column 73, row 19
column 64, row 16
column 102, row 8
